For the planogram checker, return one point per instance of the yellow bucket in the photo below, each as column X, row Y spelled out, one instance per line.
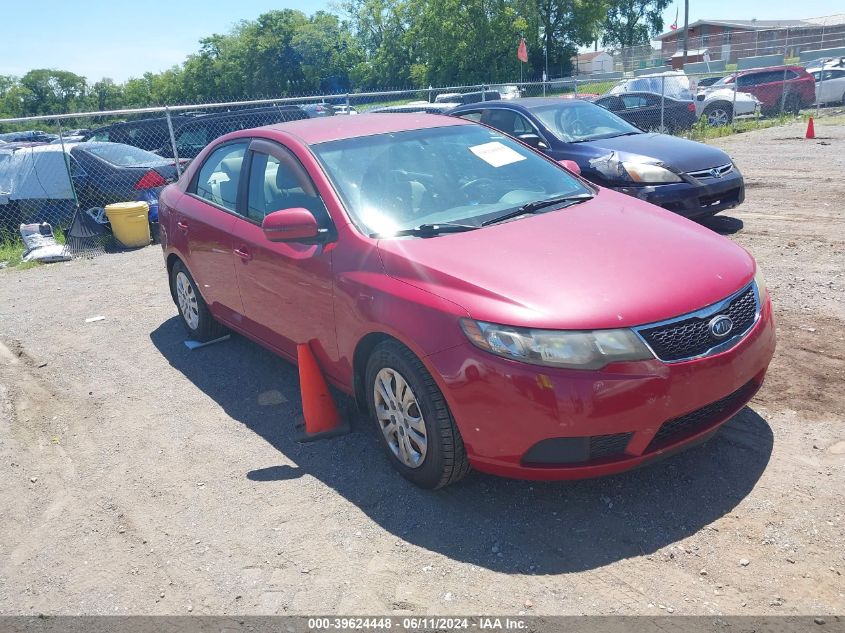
column 130, row 223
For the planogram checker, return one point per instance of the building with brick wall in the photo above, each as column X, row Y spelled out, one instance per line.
column 731, row 39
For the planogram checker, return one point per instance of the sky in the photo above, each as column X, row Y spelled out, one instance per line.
column 121, row 39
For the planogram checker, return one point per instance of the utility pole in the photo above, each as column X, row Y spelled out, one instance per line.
column 686, row 31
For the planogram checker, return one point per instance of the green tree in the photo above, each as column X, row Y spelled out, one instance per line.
column 49, row 91
column 633, row 22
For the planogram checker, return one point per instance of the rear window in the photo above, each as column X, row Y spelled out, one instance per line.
column 125, row 155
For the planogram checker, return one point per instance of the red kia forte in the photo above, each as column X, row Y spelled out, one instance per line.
column 489, row 308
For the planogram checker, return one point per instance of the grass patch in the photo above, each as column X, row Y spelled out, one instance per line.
column 702, row 132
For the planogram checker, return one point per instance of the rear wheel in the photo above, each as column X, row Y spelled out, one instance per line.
column 194, row 313
column 414, row 423
column 717, row 114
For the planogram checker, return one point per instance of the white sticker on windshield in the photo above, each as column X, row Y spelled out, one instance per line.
column 496, row 154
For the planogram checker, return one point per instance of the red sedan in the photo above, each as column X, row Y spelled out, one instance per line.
column 487, row 307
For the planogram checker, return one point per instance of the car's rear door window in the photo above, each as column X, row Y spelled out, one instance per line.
column 219, row 177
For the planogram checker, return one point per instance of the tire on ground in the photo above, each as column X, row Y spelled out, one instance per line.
column 445, row 461
column 207, row 327
column 727, row 108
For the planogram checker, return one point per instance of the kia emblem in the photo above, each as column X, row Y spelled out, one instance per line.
column 721, row 326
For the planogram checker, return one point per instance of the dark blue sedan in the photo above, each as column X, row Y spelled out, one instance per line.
column 689, row 178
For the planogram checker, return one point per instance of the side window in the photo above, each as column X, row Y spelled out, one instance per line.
column 633, row 101
column 193, row 136
column 100, row 136
column 218, row 178
column 745, row 81
column 278, row 182
column 475, row 115
column 521, row 125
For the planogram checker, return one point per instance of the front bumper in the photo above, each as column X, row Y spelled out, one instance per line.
column 517, row 419
column 692, row 200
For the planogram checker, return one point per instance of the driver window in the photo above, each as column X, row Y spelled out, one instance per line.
column 217, row 180
column 277, row 183
column 472, row 116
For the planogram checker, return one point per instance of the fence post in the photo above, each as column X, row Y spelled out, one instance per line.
column 818, row 92
column 483, row 92
column 783, row 92
column 173, row 141
column 662, row 101
column 429, row 93
column 575, row 81
column 347, row 103
column 733, row 109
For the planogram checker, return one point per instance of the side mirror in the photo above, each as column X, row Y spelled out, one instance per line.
column 570, row 165
column 291, row 225
column 533, row 140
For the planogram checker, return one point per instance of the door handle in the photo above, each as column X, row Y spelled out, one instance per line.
column 183, row 226
column 243, row 254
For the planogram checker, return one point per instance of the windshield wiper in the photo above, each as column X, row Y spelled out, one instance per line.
column 430, row 230
column 533, row 207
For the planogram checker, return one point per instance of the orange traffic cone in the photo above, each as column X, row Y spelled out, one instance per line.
column 811, row 130
column 321, row 417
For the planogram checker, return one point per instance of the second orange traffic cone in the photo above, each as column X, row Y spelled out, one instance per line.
column 811, row 130
column 318, row 407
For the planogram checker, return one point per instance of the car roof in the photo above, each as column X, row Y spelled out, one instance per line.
column 746, row 71
column 324, row 129
column 526, row 103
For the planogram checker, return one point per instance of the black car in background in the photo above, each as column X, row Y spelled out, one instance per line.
column 29, row 136
column 643, row 110
column 689, row 178
column 192, row 131
column 104, row 173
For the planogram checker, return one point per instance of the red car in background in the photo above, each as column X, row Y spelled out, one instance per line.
column 788, row 87
column 487, row 307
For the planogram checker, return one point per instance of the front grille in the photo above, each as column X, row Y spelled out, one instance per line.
column 690, row 337
column 715, row 172
column 675, row 429
column 605, row 445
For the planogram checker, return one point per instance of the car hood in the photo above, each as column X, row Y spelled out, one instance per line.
column 679, row 153
column 614, row 261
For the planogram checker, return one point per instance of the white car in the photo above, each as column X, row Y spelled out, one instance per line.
column 716, row 102
column 830, row 87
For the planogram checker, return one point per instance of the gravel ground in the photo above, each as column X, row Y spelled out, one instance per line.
column 137, row 477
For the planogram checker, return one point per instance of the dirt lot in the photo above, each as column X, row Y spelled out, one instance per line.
column 139, row 477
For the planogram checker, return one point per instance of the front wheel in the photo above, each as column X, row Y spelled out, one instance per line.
column 194, row 313
column 414, row 423
column 718, row 114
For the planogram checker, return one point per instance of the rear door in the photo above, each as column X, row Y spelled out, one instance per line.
column 203, row 225
column 286, row 287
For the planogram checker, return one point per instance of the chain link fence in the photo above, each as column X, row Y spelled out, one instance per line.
column 65, row 169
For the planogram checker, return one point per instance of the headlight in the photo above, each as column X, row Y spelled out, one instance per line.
column 615, row 170
column 761, row 283
column 555, row 348
column 648, row 173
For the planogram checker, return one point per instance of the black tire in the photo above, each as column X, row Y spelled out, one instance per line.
column 445, row 460
column 719, row 106
column 207, row 327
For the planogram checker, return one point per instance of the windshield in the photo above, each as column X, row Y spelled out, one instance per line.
column 125, row 155
column 458, row 174
column 581, row 121
column 676, row 86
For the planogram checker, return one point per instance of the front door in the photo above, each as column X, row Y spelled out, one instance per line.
column 286, row 287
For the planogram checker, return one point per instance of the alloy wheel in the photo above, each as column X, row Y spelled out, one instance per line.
column 187, row 300
column 400, row 417
column 717, row 117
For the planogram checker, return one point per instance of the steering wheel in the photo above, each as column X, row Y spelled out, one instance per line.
column 578, row 128
column 481, row 183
